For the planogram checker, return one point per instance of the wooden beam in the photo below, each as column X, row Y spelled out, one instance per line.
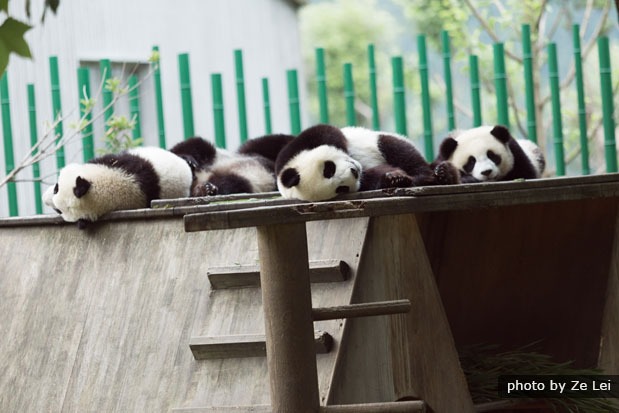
column 397, row 205
column 250, row 345
column 240, row 276
column 225, row 409
column 287, row 303
column 362, row 310
column 416, row 406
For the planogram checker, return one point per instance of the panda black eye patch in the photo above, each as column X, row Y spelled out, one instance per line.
column 56, row 189
column 329, row 169
column 470, row 164
column 494, row 157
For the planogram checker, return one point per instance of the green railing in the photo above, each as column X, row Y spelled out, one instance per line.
column 400, row 69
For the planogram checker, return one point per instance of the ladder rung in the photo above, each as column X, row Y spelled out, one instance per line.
column 238, row 276
column 362, row 310
column 389, row 407
column 250, row 345
column 262, row 408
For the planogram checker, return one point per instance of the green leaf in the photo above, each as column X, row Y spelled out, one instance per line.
column 4, row 6
column 12, row 41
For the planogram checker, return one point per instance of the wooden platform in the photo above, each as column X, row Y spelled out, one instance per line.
column 103, row 319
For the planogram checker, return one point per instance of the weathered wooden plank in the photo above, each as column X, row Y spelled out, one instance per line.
column 225, row 409
column 240, row 276
column 362, row 310
column 287, row 304
column 609, row 341
column 204, row 200
column 396, row 205
column 416, row 406
column 408, row 356
column 251, row 345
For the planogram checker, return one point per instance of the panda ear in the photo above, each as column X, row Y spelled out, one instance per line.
column 290, row 177
column 81, row 187
column 448, row 146
column 501, row 133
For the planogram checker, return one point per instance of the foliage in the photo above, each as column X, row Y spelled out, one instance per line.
column 344, row 29
column 12, row 31
column 484, row 364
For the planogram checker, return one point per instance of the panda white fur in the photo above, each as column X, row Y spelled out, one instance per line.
column 490, row 153
column 219, row 172
column 324, row 161
column 128, row 180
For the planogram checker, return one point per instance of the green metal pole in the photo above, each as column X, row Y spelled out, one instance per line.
column 321, row 80
column 425, row 98
column 399, row 97
column 240, row 94
column 373, row 88
column 159, row 98
column 451, row 117
column 36, row 173
column 83, row 82
column 105, row 66
column 475, row 90
column 57, row 108
column 134, row 105
column 582, row 111
column 187, row 106
column 267, row 106
column 527, row 57
column 500, row 85
column 7, row 133
column 218, row 110
column 557, row 126
column 349, row 95
column 294, row 102
column 606, row 86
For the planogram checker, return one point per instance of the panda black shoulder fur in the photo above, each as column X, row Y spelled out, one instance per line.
column 128, row 180
column 324, row 161
column 251, row 169
column 490, row 153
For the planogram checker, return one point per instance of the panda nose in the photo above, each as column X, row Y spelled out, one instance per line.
column 486, row 172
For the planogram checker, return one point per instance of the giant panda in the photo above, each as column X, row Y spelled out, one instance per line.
column 490, row 153
column 251, row 169
column 128, row 180
column 324, row 161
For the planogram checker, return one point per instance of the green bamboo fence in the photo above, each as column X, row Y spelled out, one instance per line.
column 449, row 94
column 582, row 110
column 36, row 171
column 7, row 133
column 83, row 85
column 266, row 104
column 349, row 95
column 321, row 85
column 399, row 96
column 294, row 103
column 240, row 94
column 57, row 108
column 218, row 110
column 156, row 67
column 186, row 100
column 426, row 105
column 373, row 88
column 557, row 124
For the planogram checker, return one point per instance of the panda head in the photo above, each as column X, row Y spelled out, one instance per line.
column 316, row 166
column 319, row 174
column 72, row 195
column 481, row 152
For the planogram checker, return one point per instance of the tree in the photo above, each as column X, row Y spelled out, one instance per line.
column 468, row 21
column 344, row 29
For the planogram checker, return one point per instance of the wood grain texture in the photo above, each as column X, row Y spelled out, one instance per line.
column 362, row 310
column 516, row 275
column 608, row 359
column 546, row 191
column 238, row 346
column 411, row 355
column 392, row 407
column 243, row 276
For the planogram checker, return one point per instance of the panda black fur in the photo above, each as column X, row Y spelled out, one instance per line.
column 324, row 161
column 220, row 172
column 490, row 153
column 128, row 180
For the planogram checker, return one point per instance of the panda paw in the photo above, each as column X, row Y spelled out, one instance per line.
column 206, row 189
column 397, row 179
column 446, row 174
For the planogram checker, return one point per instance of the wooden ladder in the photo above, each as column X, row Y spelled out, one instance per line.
column 291, row 342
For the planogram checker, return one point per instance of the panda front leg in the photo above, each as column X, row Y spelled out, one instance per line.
column 384, row 176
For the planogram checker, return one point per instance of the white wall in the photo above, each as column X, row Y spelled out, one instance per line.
column 125, row 31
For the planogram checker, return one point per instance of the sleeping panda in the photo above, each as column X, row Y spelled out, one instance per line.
column 324, row 161
column 490, row 153
column 251, row 169
column 128, row 180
